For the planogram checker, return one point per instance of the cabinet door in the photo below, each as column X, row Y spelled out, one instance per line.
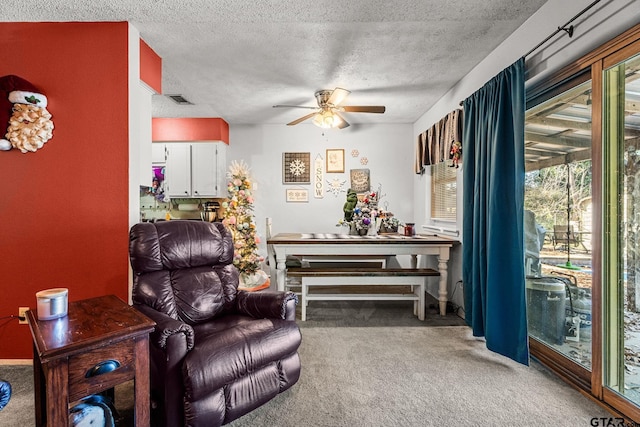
column 178, row 169
column 158, row 152
column 222, row 169
column 204, row 170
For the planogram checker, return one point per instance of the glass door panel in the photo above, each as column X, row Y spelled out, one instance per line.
column 621, row 251
column 558, row 255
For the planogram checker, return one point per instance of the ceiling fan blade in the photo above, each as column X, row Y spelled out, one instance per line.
column 337, row 96
column 343, row 123
column 293, row 106
column 301, row 119
column 364, row 109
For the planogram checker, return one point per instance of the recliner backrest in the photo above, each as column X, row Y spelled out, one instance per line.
column 183, row 268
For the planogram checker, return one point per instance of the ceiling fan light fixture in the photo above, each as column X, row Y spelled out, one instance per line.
column 328, row 112
column 326, row 119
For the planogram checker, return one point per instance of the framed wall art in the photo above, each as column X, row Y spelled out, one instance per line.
column 335, row 160
column 296, row 168
column 360, row 180
column 297, row 195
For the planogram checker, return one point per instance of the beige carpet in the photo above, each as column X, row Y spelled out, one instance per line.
column 408, row 376
column 392, row 376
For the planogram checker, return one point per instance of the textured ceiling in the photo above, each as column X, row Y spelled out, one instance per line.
column 236, row 59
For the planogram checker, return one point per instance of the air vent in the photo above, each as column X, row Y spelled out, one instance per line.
column 179, row 99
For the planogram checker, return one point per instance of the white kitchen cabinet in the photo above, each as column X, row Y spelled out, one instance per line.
column 204, row 171
column 195, row 169
column 158, row 154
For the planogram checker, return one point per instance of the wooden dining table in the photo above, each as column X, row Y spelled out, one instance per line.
column 336, row 245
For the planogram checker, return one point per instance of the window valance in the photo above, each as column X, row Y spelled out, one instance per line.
column 441, row 142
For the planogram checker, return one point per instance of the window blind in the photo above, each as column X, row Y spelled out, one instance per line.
column 443, row 192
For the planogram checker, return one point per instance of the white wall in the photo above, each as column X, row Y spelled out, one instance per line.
column 603, row 22
column 136, row 110
column 388, row 148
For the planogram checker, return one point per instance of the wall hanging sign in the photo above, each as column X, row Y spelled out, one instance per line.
column 360, row 180
column 335, row 160
column 296, row 168
column 336, row 186
column 297, row 195
column 318, row 177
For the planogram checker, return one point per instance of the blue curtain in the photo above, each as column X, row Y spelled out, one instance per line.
column 493, row 251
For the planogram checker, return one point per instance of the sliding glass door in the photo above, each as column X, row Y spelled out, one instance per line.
column 621, row 263
column 582, row 223
column 558, row 225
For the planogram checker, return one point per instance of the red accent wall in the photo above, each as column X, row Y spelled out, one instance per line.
column 150, row 67
column 64, row 208
column 189, row 129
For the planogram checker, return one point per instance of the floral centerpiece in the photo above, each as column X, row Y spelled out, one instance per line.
column 363, row 216
column 238, row 216
column 388, row 223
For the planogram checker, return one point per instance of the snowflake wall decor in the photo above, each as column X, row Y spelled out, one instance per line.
column 336, row 186
column 296, row 168
column 355, row 153
column 364, row 161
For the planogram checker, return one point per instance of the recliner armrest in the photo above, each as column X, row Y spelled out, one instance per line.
column 267, row 304
column 166, row 327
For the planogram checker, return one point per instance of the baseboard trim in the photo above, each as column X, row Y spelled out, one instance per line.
column 16, row 362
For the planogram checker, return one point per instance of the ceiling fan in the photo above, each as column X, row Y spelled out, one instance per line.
column 327, row 113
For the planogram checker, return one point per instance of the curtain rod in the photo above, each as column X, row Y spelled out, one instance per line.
column 568, row 30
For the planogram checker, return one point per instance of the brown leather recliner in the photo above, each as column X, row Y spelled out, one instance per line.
column 217, row 353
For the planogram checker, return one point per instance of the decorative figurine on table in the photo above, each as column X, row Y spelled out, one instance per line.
column 350, row 205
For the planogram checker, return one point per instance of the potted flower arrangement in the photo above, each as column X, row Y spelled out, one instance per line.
column 363, row 215
column 389, row 223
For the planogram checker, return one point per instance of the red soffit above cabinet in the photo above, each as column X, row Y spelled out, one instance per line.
column 150, row 67
column 189, row 129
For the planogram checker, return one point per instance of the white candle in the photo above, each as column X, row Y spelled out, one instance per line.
column 52, row 303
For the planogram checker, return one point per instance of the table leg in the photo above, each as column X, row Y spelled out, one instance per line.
column 39, row 390
column 141, row 384
column 414, row 261
column 305, row 290
column 281, row 272
column 57, row 392
column 443, row 258
column 421, row 305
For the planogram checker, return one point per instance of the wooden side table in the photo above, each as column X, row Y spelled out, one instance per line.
column 70, row 354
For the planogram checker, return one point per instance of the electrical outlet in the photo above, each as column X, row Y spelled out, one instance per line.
column 22, row 315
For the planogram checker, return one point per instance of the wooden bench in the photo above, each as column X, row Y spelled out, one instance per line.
column 305, row 261
column 414, row 277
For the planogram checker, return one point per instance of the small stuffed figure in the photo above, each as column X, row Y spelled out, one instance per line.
column 455, row 154
column 350, row 205
column 24, row 110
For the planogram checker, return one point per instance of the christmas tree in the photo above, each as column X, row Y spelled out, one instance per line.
column 238, row 216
